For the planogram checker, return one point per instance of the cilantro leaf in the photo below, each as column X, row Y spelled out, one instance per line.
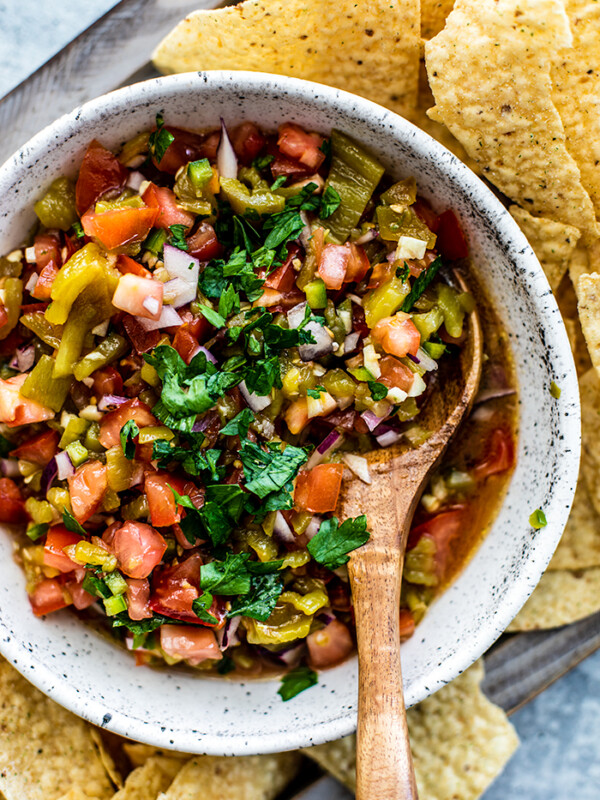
column 270, row 470
column 296, row 681
column 316, row 392
column 261, row 600
column 263, row 375
column 238, row 426
column 200, row 608
column 95, row 586
column 160, row 139
column 178, row 236
column 279, row 181
column 128, row 433
column 212, row 316
column 77, row 227
column 282, row 227
column 262, row 162
column 229, row 301
column 403, row 272
column 234, row 576
column 378, row 390
column 138, row 627
column 192, row 459
column 331, row 545
column 71, row 523
column 419, row 286
column 330, row 202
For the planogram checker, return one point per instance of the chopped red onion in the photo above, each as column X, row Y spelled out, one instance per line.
column 282, row 531
column 290, row 656
column 426, row 361
column 313, row 527
column 351, row 342
column 296, row 314
column 326, row 616
column 355, row 299
column 359, row 466
column 24, row 358
column 371, row 419
column 330, row 443
column 306, row 234
column 169, row 318
column 135, row 180
column 32, row 282
column 485, row 395
column 255, row 401
column 414, row 359
column 388, row 438
column 227, row 162
column 9, row 467
column 208, row 354
column 226, row 637
column 371, row 234
column 110, row 401
column 64, row 465
column 322, row 346
column 180, row 265
column 182, row 539
column 48, row 475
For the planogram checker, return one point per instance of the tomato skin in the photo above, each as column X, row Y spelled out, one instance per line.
column 499, row 454
column 111, row 424
column 107, row 381
column 47, row 249
column 57, row 538
column 47, row 597
column 12, row 506
column 426, row 214
column 126, row 265
column 81, row 599
column 333, row 265
column 87, row 488
column 185, row 343
column 40, row 449
column 318, row 489
column 329, row 646
column 138, row 594
column 247, row 141
column 186, row 146
column 168, row 212
column 442, row 528
column 176, row 587
column 397, row 335
column 192, row 644
column 203, row 243
column 138, row 548
column 395, row 374
column 295, row 142
column 43, row 287
column 358, row 264
column 161, row 500
column 451, row 240
column 142, row 340
column 18, row 410
column 100, row 172
column 120, row 226
column 407, row 623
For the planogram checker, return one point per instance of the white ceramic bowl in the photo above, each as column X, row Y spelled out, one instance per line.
column 95, row 678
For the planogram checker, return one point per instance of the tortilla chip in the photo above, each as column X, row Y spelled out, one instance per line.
column 579, row 547
column 576, row 78
column 371, row 48
column 460, row 742
column 552, row 242
column 148, row 781
column 106, row 758
column 433, row 16
column 242, row 778
column 489, row 70
column 77, row 794
column 588, row 293
column 559, row 598
column 138, row 753
column 44, row 750
column 589, row 392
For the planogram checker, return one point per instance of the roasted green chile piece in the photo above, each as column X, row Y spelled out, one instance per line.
column 394, row 224
column 44, row 330
column 10, row 268
column 12, row 289
column 403, row 193
column 198, row 200
column 109, row 350
column 242, row 200
column 354, row 174
column 42, row 386
column 57, row 208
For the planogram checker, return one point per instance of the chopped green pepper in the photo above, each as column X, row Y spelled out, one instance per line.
column 12, row 288
column 57, row 207
column 453, row 312
column 200, row 173
column 109, row 350
column 354, row 174
column 77, row 453
column 155, row 241
column 316, row 294
column 10, row 268
column 428, row 323
column 394, row 224
column 75, row 429
column 402, row 193
column 385, row 300
column 44, row 330
column 241, row 200
column 42, row 386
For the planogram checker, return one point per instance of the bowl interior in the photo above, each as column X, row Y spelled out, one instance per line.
column 169, row 708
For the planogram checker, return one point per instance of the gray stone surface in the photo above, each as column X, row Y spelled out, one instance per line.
column 559, row 757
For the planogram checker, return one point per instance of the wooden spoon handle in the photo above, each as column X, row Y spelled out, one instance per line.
column 384, row 763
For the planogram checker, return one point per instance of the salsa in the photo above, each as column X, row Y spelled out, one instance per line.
column 204, row 332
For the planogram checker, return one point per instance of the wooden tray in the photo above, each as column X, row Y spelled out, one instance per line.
column 115, row 52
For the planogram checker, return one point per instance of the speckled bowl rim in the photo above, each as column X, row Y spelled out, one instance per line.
column 492, row 214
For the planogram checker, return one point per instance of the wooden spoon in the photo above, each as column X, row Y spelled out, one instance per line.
column 399, row 473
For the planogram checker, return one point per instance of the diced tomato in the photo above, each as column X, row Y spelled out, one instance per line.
column 295, row 142
column 397, row 335
column 57, row 538
column 107, row 381
column 39, row 449
column 330, row 645
column 358, row 264
column 138, row 548
column 47, row 249
column 284, row 165
column 43, row 287
column 426, row 214
column 318, row 489
column 138, row 595
column 407, row 623
column 185, row 147
column 110, row 427
column 359, row 323
column 283, row 279
column 194, row 645
column 16, row 409
column 12, row 507
column 451, row 240
column 344, row 420
column 81, row 599
column 247, row 141
column 296, row 415
column 499, row 454
column 443, row 528
column 86, row 488
column 169, row 213
column 141, row 297
column 176, row 587
column 268, row 299
column 199, row 327
column 395, row 374
column 100, row 172
column 129, row 265
column 142, row 340
column 47, row 597
column 119, row 227
column 161, row 500
column 185, row 343
column 333, row 265
column 203, row 243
